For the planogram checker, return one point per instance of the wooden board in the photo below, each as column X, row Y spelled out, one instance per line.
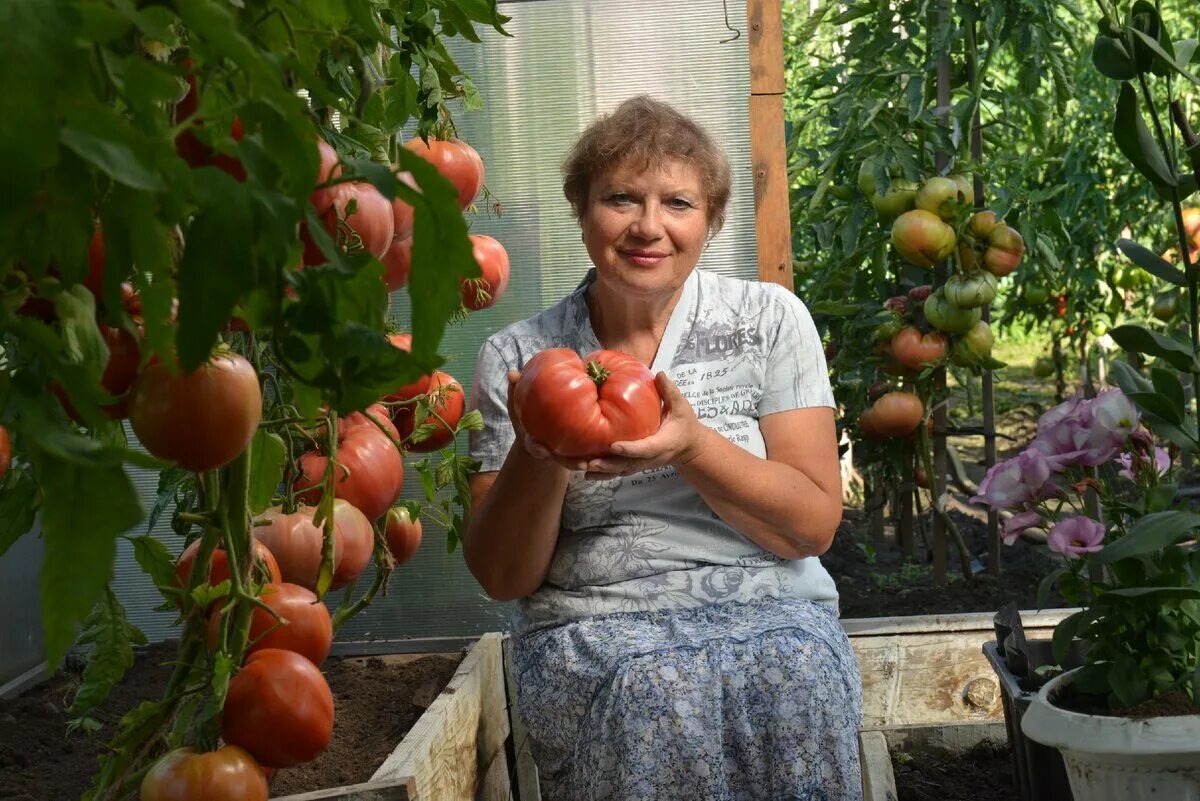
column 453, row 745
column 875, row 764
column 931, row 668
column 772, row 211
column 394, row 790
column 528, row 787
column 764, row 18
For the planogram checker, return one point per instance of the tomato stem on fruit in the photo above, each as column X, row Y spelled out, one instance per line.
column 597, row 372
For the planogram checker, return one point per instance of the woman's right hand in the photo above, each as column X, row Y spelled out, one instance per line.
column 528, row 443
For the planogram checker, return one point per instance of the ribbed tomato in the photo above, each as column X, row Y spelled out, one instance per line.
column 917, row 351
column 200, row 420
column 402, row 213
column 446, row 406
column 398, row 262
column 124, row 357
column 307, row 627
column 266, row 569
column 331, row 168
column 492, row 258
column 368, row 227
column 458, row 162
column 577, row 408
column 227, row 774
column 357, row 538
column 418, row 387
column 279, row 708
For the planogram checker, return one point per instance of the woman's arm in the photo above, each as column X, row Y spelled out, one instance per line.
column 789, row 503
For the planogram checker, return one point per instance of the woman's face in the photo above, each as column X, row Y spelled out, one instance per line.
column 645, row 229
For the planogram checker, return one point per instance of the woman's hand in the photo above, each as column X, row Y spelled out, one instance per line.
column 677, row 441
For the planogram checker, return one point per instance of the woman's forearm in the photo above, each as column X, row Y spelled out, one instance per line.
column 513, row 528
column 773, row 504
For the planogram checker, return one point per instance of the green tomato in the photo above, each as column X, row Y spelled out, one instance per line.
column 1036, row 294
column 945, row 316
column 971, row 290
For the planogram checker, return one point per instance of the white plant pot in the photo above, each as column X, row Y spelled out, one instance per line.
column 1119, row 759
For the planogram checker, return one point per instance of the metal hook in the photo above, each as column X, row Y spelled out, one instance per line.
column 736, row 33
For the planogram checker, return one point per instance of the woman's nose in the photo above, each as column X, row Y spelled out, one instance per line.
column 648, row 224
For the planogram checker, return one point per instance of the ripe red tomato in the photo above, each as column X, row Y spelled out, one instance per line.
column 297, row 544
column 492, row 258
column 199, row 420
column 308, row 630
column 358, row 542
column 403, row 534
column 124, row 356
column 266, row 569
column 398, row 261
column 458, row 162
column 188, row 145
column 5, row 451
column 227, row 774
column 402, row 213
column 578, row 407
column 369, row 227
column 279, row 708
column 95, row 276
column 322, row 199
column 917, row 351
column 446, row 406
column 896, row 414
column 371, row 472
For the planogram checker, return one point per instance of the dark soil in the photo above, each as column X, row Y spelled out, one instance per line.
column 982, row 774
column 880, row 583
column 376, row 702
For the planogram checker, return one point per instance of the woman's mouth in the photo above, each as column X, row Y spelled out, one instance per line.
column 643, row 258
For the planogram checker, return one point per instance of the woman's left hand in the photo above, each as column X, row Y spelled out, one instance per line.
column 677, row 441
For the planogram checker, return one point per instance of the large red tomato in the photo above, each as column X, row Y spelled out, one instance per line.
column 279, row 708
column 200, row 420
column 578, row 407
column 227, row 774
column 458, row 162
column 5, row 451
column 297, row 544
column 398, row 261
column 403, row 534
column 266, row 569
column 402, row 213
column 95, row 276
column 368, row 227
column 188, row 145
column 492, row 258
column 917, row 351
column 446, row 406
column 307, row 628
column 124, row 356
column 354, row 531
column 370, row 471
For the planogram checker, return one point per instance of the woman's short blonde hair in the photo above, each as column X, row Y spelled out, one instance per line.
column 640, row 132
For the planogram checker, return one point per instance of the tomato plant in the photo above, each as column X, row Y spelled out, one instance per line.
column 298, row 544
column 440, row 414
column 368, row 471
column 457, row 161
column 227, row 774
column 279, row 708
column 558, row 401
column 492, row 258
column 403, row 533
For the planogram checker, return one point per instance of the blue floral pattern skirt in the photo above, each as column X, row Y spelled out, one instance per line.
column 758, row 701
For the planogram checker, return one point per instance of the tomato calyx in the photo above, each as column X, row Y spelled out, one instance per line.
column 598, row 373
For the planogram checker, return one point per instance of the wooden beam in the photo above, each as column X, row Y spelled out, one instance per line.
column 768, row 145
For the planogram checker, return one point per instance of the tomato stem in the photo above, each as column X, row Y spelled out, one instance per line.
column 597, row 372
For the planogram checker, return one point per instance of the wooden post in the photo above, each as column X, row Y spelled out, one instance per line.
column 937, row 482
column 768, row 144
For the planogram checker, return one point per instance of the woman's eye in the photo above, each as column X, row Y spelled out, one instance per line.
column 619, row 198
column 680, row 203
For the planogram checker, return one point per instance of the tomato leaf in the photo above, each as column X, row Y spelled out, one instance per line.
column 85, row 508
column 1151, row 263
column 267, row 457
column 170, row 481
column 18, row 508
column 113, row 637
column 1135, row 141
column 155, row 560
column 99, row 135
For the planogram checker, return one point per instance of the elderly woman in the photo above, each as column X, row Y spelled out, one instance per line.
column 675, row 635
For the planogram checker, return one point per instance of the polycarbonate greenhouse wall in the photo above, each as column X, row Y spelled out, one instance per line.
column 567, row 62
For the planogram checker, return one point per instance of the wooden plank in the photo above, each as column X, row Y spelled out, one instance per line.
column 931, row 668
column 462, row 731
column 772, row 212
column 875, row 763
column 764, row 18
column 393, row 790
column 528, row 786
column 946, row 737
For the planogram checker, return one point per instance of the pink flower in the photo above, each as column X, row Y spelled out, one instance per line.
column 1136, row 463
column 1016, row 525
column 1115, row 412
column 1075, row 536
column 1015, row 481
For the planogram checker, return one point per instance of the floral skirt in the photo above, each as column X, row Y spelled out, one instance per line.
column 758, row 701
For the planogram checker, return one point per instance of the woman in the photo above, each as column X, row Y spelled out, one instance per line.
column 676, row 636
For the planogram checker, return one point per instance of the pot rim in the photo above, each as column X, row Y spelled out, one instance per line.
column 1105, row 734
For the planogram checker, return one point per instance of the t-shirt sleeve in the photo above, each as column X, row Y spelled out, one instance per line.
column 489, row 395
column 796, row 376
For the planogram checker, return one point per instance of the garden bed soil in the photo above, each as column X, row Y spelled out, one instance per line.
column 377, row 701
column 984, row 773
column 882, row 584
